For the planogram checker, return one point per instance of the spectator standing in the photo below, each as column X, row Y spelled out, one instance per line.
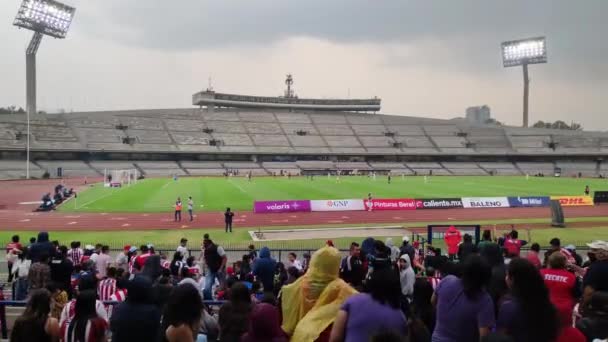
column 310, row 305
column 594, row 323
column 59, row 299
column 61, row 269
column 119, row 295
column 486, row 240
column 122, row 259
column 394, row 250
column 177, row 265
column 103, row 262
column 215, row 260
column 182, row 249
column 280, row 277
column 452, row 238
column 467, row 247
column 140, row 260
column 87, row 282
column 407, row 278
column 86, row 326
column 13, row 248
column 407, row 248
column 263, row 268
column 182, row 314
column 533, row 255
column 265, row 325
column 252, row 253
column 464, row 309
column 596, row 278
column 35, row 324
column 351, row 267
column 228, row 215
column 21, row 269
column 137, row 319
column 305, row 261
column 513, row 244
column 556, row 247
column 245, row 268
column 39, row 275
column 190, row 208
column 107, row 286
column 234, row 315
column 42, row 247
column 363, row 315
column 75, row 253
column 578, row 260
column 528, row 314
column 564, row 287
column 292, row 261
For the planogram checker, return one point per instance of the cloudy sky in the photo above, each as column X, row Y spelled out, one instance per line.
column 422, row 57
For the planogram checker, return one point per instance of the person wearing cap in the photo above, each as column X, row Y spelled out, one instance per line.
column 596, row 278
column 183, row 249
column 407, row 248
column 578, row 259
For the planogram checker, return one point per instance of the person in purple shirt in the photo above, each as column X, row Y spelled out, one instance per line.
column 364, row 315
column 465, row 311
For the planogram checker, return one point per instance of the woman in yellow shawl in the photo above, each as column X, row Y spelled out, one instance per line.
column 309, row 305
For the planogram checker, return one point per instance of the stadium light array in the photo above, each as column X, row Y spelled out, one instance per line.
column 48, row 17
column 44, row 17
column 523, row 52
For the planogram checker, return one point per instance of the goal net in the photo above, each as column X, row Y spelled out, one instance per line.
column 118, row 178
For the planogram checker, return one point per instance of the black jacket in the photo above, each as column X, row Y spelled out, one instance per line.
column 42, row 247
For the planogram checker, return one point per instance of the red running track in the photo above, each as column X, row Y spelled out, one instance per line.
column 15, row 216
column 19, row 220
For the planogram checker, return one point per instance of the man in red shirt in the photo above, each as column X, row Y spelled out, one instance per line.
column 452, row 238
column 513, row 245
column 563, row 286
column 140, row 260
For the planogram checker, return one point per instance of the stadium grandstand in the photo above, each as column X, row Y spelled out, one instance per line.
column 209, row 141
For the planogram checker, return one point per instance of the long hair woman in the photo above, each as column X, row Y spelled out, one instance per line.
column 464, row 309
column 182, row 315
column 35, row 324
column 528, row 314
column 234, row 315
column 364, row 315
column 86, row 326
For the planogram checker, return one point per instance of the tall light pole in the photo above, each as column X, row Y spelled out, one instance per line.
column 523, row 52
column 44, row 17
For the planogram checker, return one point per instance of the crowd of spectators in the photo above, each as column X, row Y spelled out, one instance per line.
column 379, row 292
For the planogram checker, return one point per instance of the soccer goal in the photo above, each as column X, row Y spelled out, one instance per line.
column 119, row 178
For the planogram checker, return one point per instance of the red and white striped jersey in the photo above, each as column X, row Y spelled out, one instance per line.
column 119, row 296
column 69, row 311
column 106, row 289
column 75, row 254
column 95, row 328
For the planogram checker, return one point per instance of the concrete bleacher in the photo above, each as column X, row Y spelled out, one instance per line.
column 500, row 168
column 421, row 141
column 15, row 169
column 70, row 168
column 257, row 116
column 159, row 168
column 315, row 164
column 184, row 125
column 225, row 127
column 233, row 139
column 241, row 165
column 150, row 136
column 269, row 140
column 352, row 166
column 292, row 128
column 325, row 129
column 572, row 168
column 449, row 141
column 321, row 119
column 279, row 165
column 292, row 118
column 191, row 138
column 464, row 168
column 111, row 165
column 405, row 129
column 371, row 141
column 306, row 140
column 369, row 129
column 532, row 168
column 342, row 141
column 262, row 128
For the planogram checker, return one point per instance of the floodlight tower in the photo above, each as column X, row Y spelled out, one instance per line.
column 44, row 17
column 523, row 52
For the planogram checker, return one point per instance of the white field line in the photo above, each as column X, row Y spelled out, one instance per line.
column 238, row 186
column 112, row 192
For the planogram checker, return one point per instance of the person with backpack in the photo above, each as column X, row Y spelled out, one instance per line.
column 215, row 260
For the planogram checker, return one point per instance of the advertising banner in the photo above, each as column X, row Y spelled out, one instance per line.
column 438, row 203
column 337, row 205
column 529, row 201
column 280, row 206
column 485, row 202
column 573, row 201
column 391, row 204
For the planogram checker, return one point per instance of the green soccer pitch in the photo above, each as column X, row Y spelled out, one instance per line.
column 217, row 193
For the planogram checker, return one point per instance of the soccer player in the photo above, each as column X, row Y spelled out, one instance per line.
column 389, row 178
column 249, row 176
column 178, row 210
column 587, row 190
column 190, row 207
column 228, row 215
column 370, row 203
